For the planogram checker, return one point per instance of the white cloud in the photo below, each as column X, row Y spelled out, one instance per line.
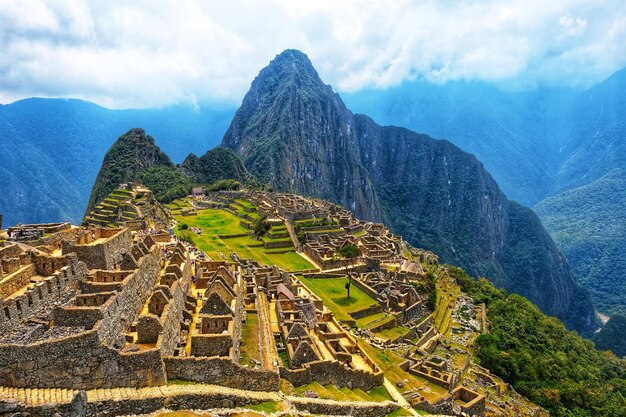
column 157, row 52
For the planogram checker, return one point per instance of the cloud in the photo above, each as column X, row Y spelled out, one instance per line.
column 148, row 53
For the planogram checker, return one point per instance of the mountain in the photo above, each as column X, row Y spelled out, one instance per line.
column 545, row 148
column 217, row 164
column 516, row 135
column 597, row 142
column 51, row 149
column 295, row 133
column 132, row 155
column 588, row 224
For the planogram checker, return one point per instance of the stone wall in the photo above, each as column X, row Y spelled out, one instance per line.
column 221, row 371
column 211, row 345
column 123, row 309
column 42, row 296
column 371, row 310
column 332, row 372
column 105, row 255
column 18, row 279
column 79, row 361
column 365, row 288
column 346, row 408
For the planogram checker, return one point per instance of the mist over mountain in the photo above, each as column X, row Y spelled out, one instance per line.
column 51, row 150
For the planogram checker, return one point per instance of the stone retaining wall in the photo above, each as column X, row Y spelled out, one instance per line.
column 221, row 371
column 347, row 408
column 332, row 372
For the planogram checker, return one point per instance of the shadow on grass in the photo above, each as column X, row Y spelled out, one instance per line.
column 345, row 301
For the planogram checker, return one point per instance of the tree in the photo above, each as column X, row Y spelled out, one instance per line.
column 349, row 253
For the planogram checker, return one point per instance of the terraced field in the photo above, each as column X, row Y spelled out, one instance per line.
column 332, row 291
column 223, row 234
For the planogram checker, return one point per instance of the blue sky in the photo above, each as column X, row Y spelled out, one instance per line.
column 152, row 53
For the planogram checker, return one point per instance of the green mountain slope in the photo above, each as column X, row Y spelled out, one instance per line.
column 588, row 224
column 295, row 133
column 217, row 164
column 551, row 366
column 611, row 337
column 132, row 155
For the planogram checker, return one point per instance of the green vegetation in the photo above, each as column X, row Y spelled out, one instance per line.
column 613, row 335
column 553, row 367
column 224, row 185
column 250, row 340
column 166, row 183
column 267, row 406
column 428, row 287
column 349, row 252
column 217, row 238
column 332, row 291
column 261, row 226
column 215, row 165
column 588, row 225
column 133, row 153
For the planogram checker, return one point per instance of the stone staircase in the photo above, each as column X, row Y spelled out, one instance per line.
column 33, row 397
column 36, row 396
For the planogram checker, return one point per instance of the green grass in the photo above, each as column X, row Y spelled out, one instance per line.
column 250, row 340
column 332, row 291
column 267, row 406
column 221, row 222
column 331, row 392
column 393, row 333
column 366, row 322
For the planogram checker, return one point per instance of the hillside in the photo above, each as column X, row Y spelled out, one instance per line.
column 538, row 145
column 51, row 150
column 132, row 155
column 611, row 337
column 588, row 224
column 516, row 135
column 295, row 133
column 217, row 164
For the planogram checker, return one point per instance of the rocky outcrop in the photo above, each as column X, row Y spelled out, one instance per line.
column 296, row 134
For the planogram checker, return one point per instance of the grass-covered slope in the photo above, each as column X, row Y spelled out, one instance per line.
column 588, row 224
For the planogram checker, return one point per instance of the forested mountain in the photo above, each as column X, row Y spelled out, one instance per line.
column 294, row 132
column 539, row 145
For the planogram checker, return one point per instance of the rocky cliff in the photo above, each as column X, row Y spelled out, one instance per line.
column 295, row 133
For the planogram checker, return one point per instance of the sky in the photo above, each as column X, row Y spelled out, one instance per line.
column 155, row 53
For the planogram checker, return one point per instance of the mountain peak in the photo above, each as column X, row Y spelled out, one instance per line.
column 289, row 68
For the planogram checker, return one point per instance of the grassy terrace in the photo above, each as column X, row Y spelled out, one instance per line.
column 334, row 295
column 220, row 222
column 250, row 340
column 331, row 392
column 392, row 334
